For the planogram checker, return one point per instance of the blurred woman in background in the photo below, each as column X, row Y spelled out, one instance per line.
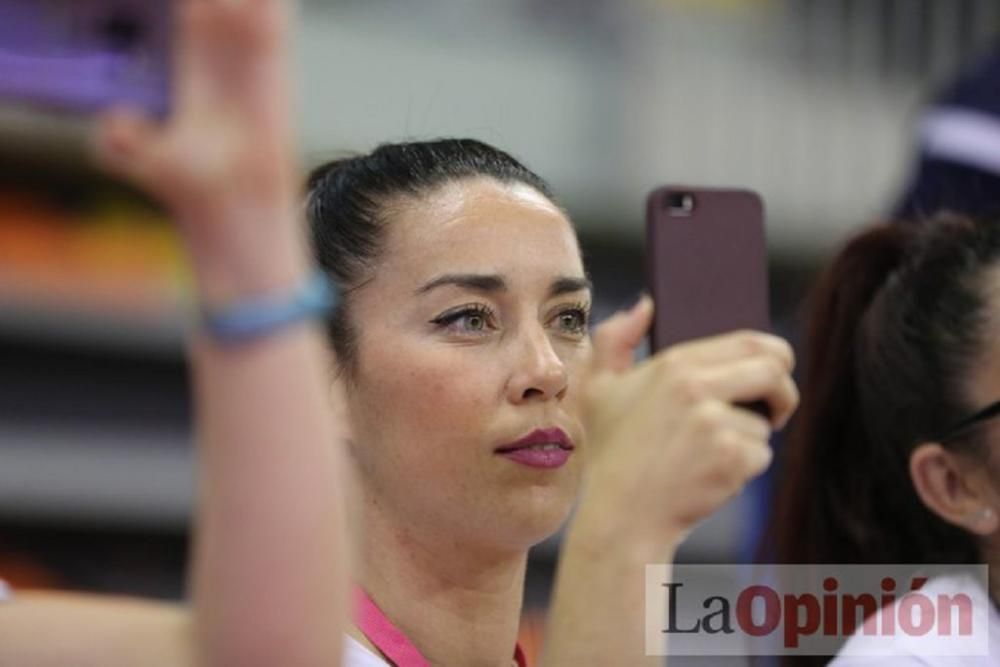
column 893, row 457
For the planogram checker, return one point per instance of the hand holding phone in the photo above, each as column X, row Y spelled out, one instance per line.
column 673, row 434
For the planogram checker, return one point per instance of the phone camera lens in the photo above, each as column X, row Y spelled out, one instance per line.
column 680, row 203
column 123, row 32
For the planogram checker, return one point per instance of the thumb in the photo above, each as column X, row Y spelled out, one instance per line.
column 127, row 144
column 616, row 339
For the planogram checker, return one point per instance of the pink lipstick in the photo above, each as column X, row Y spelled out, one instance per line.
column 542, row 448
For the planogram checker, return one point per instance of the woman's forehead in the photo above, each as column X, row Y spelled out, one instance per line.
column 481, row 225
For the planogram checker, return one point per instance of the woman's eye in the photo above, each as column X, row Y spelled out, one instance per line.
column 573, row 321
column 474, row 320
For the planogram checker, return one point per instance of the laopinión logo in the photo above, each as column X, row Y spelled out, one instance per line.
column 817, row 610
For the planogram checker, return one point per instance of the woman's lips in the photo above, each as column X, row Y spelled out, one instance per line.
column 542, row 448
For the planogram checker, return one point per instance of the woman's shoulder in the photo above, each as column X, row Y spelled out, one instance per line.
column 933, row 648
column 357, row 655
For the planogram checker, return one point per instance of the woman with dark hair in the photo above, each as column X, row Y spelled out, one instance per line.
column 477, row 409
column 891, row 459
column 463, row 385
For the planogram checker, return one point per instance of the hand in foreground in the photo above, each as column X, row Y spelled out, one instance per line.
column 668, row 445
column 269, row 564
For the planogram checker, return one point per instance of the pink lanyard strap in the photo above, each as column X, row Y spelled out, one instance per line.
column 390, row 640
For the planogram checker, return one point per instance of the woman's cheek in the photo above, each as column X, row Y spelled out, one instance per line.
column 444, row 396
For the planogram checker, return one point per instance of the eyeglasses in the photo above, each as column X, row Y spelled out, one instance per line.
column 989, row 412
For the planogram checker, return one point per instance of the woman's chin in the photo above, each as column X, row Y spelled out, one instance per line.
column 540, row 516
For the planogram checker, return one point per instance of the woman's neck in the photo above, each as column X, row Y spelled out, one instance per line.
column 458, row 605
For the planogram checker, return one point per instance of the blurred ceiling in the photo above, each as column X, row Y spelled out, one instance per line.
column 811, row 102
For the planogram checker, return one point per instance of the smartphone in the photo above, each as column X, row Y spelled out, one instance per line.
column 85, row 55
column 706, row 263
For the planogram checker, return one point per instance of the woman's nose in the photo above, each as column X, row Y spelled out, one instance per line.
column 539, row 372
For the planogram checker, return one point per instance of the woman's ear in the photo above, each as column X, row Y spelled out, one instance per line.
column 952, row 489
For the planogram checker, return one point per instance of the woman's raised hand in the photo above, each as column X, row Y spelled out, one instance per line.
column 666, row 442
column 223, row 162
column 269, row 565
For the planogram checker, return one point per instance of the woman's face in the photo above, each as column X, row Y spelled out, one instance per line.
column 472, row 334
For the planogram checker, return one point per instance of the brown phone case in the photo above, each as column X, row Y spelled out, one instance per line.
column 707, row 263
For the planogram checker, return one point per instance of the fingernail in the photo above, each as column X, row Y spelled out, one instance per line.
column 644, row 298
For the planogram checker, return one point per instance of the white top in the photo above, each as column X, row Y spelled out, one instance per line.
column 906, row 651
column 357, row 655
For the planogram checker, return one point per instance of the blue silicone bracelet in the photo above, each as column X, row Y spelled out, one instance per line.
column 258, row 317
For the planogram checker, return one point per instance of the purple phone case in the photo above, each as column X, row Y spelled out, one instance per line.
column 84, row 55
column 708, row 269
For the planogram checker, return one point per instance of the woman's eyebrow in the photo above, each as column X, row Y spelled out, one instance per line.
column 567, row 284
column 480, row 282
column 473, row 281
